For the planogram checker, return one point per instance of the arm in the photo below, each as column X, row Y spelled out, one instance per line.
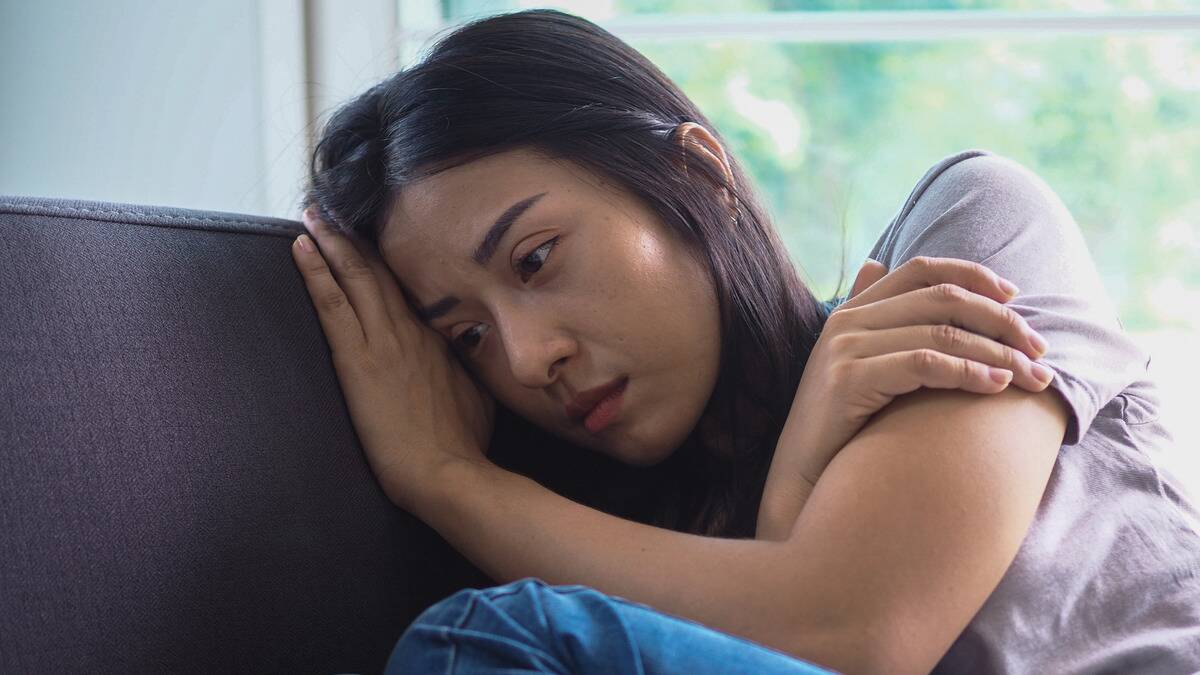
column 777, row 526
column 884, row 568
column 920, row 535
column 934, row 322
column 512, row 527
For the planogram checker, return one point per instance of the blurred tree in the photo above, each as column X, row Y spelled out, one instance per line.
column 836, row 134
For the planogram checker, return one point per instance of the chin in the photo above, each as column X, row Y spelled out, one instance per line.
column 644, row 458
column 644, row 463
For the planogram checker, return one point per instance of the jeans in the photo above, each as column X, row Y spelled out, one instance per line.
column 529, row 627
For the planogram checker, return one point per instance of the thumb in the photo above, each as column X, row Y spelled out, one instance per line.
column 871, row 271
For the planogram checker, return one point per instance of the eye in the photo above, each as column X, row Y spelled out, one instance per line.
column 541, row 259
column 467, row 346
column 472, row 338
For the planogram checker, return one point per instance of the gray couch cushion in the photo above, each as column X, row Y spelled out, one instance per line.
column 181, row 488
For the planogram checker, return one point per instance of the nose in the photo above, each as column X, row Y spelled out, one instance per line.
column 535, row 345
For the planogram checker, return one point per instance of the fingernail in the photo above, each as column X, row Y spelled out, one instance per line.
column 1038, row 342
column 1042, row 373
column 1009, row 287
column 304, row 243
column 1000, row 375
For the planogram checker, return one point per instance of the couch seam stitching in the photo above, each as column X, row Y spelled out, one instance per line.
column 59, row 210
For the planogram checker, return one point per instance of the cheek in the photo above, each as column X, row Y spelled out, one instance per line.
column 616, row 299
column 627, row 279
column 648, row 259
column 670, row 285
column 638, row 300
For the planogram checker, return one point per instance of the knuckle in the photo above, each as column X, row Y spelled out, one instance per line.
column 921, row 265
column 841, row 373
column 948, row 337
column 353, row 267
column 388, row 345
column 1011, row 318
column 925, row 360
column 947, row 292
column 362, row 365
column 839, row 319
column 843, row 343
column 332, row 299
column 1011, row 358
column 924, row 262
column 965, row 369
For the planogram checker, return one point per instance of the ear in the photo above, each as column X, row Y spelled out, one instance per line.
column 702, row 140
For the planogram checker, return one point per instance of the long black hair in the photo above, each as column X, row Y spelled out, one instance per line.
column 557, row 83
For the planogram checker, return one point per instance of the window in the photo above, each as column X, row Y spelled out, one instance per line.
column 822, row 99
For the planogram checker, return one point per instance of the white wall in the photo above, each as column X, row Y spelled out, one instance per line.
column 210, row 105
column 144, row 102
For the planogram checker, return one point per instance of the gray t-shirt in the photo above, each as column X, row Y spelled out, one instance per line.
column 1107, row 580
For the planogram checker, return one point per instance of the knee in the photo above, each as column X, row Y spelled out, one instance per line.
column 497, row 623
column 449, row 610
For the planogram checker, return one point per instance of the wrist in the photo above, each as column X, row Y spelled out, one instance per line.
column 428, row 490
column 801, row 453
column 777, row 518
column 439, row 484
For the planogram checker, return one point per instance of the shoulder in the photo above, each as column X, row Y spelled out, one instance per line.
column 983, row 207
column 979, row 172
column 972, row 204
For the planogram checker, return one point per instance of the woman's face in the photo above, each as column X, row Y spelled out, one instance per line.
column 586, row 287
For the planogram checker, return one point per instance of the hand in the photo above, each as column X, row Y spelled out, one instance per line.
column 412, row 404
column 897, row 332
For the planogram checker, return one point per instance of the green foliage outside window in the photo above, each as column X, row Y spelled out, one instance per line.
column 836, row 134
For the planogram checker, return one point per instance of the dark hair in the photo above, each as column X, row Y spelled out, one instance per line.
column 561, row 85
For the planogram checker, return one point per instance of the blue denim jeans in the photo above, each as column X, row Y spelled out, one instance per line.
column 528, row 626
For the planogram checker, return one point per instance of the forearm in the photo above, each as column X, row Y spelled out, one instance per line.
column 776, row 520
column 787, row 487
column 511, row 527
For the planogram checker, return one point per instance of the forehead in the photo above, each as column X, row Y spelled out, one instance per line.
column 441, row 217
column 435, row 223
column 453, row 207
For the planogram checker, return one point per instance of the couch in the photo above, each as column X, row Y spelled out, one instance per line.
column 181, row 487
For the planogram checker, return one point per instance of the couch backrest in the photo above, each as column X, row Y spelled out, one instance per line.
column 181, row 488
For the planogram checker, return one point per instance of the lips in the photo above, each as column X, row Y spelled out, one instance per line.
column 582, row 404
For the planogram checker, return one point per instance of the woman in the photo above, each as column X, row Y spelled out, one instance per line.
column 536, row 216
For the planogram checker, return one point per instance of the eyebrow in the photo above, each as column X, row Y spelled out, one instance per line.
column 483, row 254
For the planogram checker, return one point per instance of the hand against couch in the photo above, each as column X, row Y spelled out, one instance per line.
column 413, row 405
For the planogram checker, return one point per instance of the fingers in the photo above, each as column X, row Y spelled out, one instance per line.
column 951, row 341
column 901, row 372
column 946, row 304
column 334, row 311
column 389, row 287
column 354, row 277
column 926, row 271
column 871, row 272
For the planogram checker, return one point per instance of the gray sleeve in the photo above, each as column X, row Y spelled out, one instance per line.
column 980, row 206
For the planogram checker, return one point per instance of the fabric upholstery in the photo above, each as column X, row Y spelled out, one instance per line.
column 181, row 488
